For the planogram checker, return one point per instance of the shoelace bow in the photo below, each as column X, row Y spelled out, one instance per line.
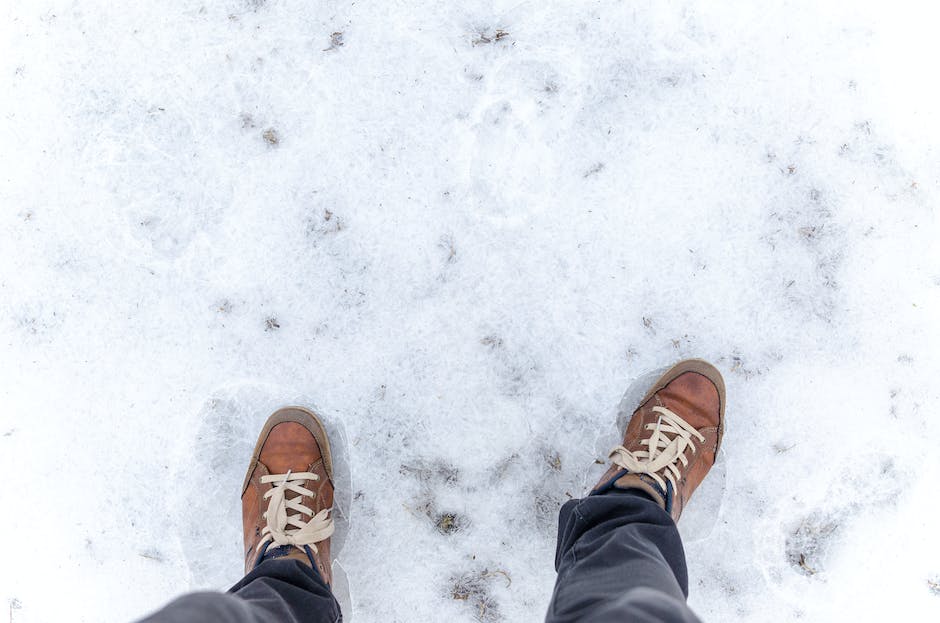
column 662, row 453
column 284, row 529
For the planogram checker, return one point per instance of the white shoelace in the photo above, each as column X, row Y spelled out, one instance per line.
column 663, row 453
column 284, row 529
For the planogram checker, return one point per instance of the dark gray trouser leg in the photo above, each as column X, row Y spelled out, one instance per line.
column 276, row 591
column 619, row 558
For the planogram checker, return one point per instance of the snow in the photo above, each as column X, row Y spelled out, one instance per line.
column 459, row 230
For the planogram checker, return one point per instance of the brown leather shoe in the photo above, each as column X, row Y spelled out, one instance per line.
column 288, row 493
column 673, row 437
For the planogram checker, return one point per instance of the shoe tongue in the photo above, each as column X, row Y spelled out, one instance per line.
column 643, row 483
column 276, row 551
column 287, row 551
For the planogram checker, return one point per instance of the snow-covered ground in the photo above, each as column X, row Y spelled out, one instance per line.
column 459, row 230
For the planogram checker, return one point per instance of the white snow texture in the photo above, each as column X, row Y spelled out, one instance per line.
column 459, row 230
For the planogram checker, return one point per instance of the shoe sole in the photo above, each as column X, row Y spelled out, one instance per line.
column 699, row 366
column 306, row 418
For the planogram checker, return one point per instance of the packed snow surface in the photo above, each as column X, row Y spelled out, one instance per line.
column 459, row 230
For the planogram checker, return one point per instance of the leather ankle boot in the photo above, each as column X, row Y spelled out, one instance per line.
column 287, row 496
column 672, row 438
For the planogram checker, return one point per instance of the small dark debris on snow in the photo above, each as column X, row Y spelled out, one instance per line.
column 467, row 586
column 336, row 41
column 224, row 306
column 247, row 120
column 484, row 37
column 474, row 588
column 553, row 459
column 152, row 554
column 493, row 341
column 809, row 232
column 808, row 545
column 433, row 472
column 933, row 585
column 9, row 433
column 594, row 170
column 380, row 392
column 271, row 324
column 805, row 567
column 681, row 343
column 271, row 137
column 327, row 223
column 738, row 367
column 449, row 523
column 450, row 247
